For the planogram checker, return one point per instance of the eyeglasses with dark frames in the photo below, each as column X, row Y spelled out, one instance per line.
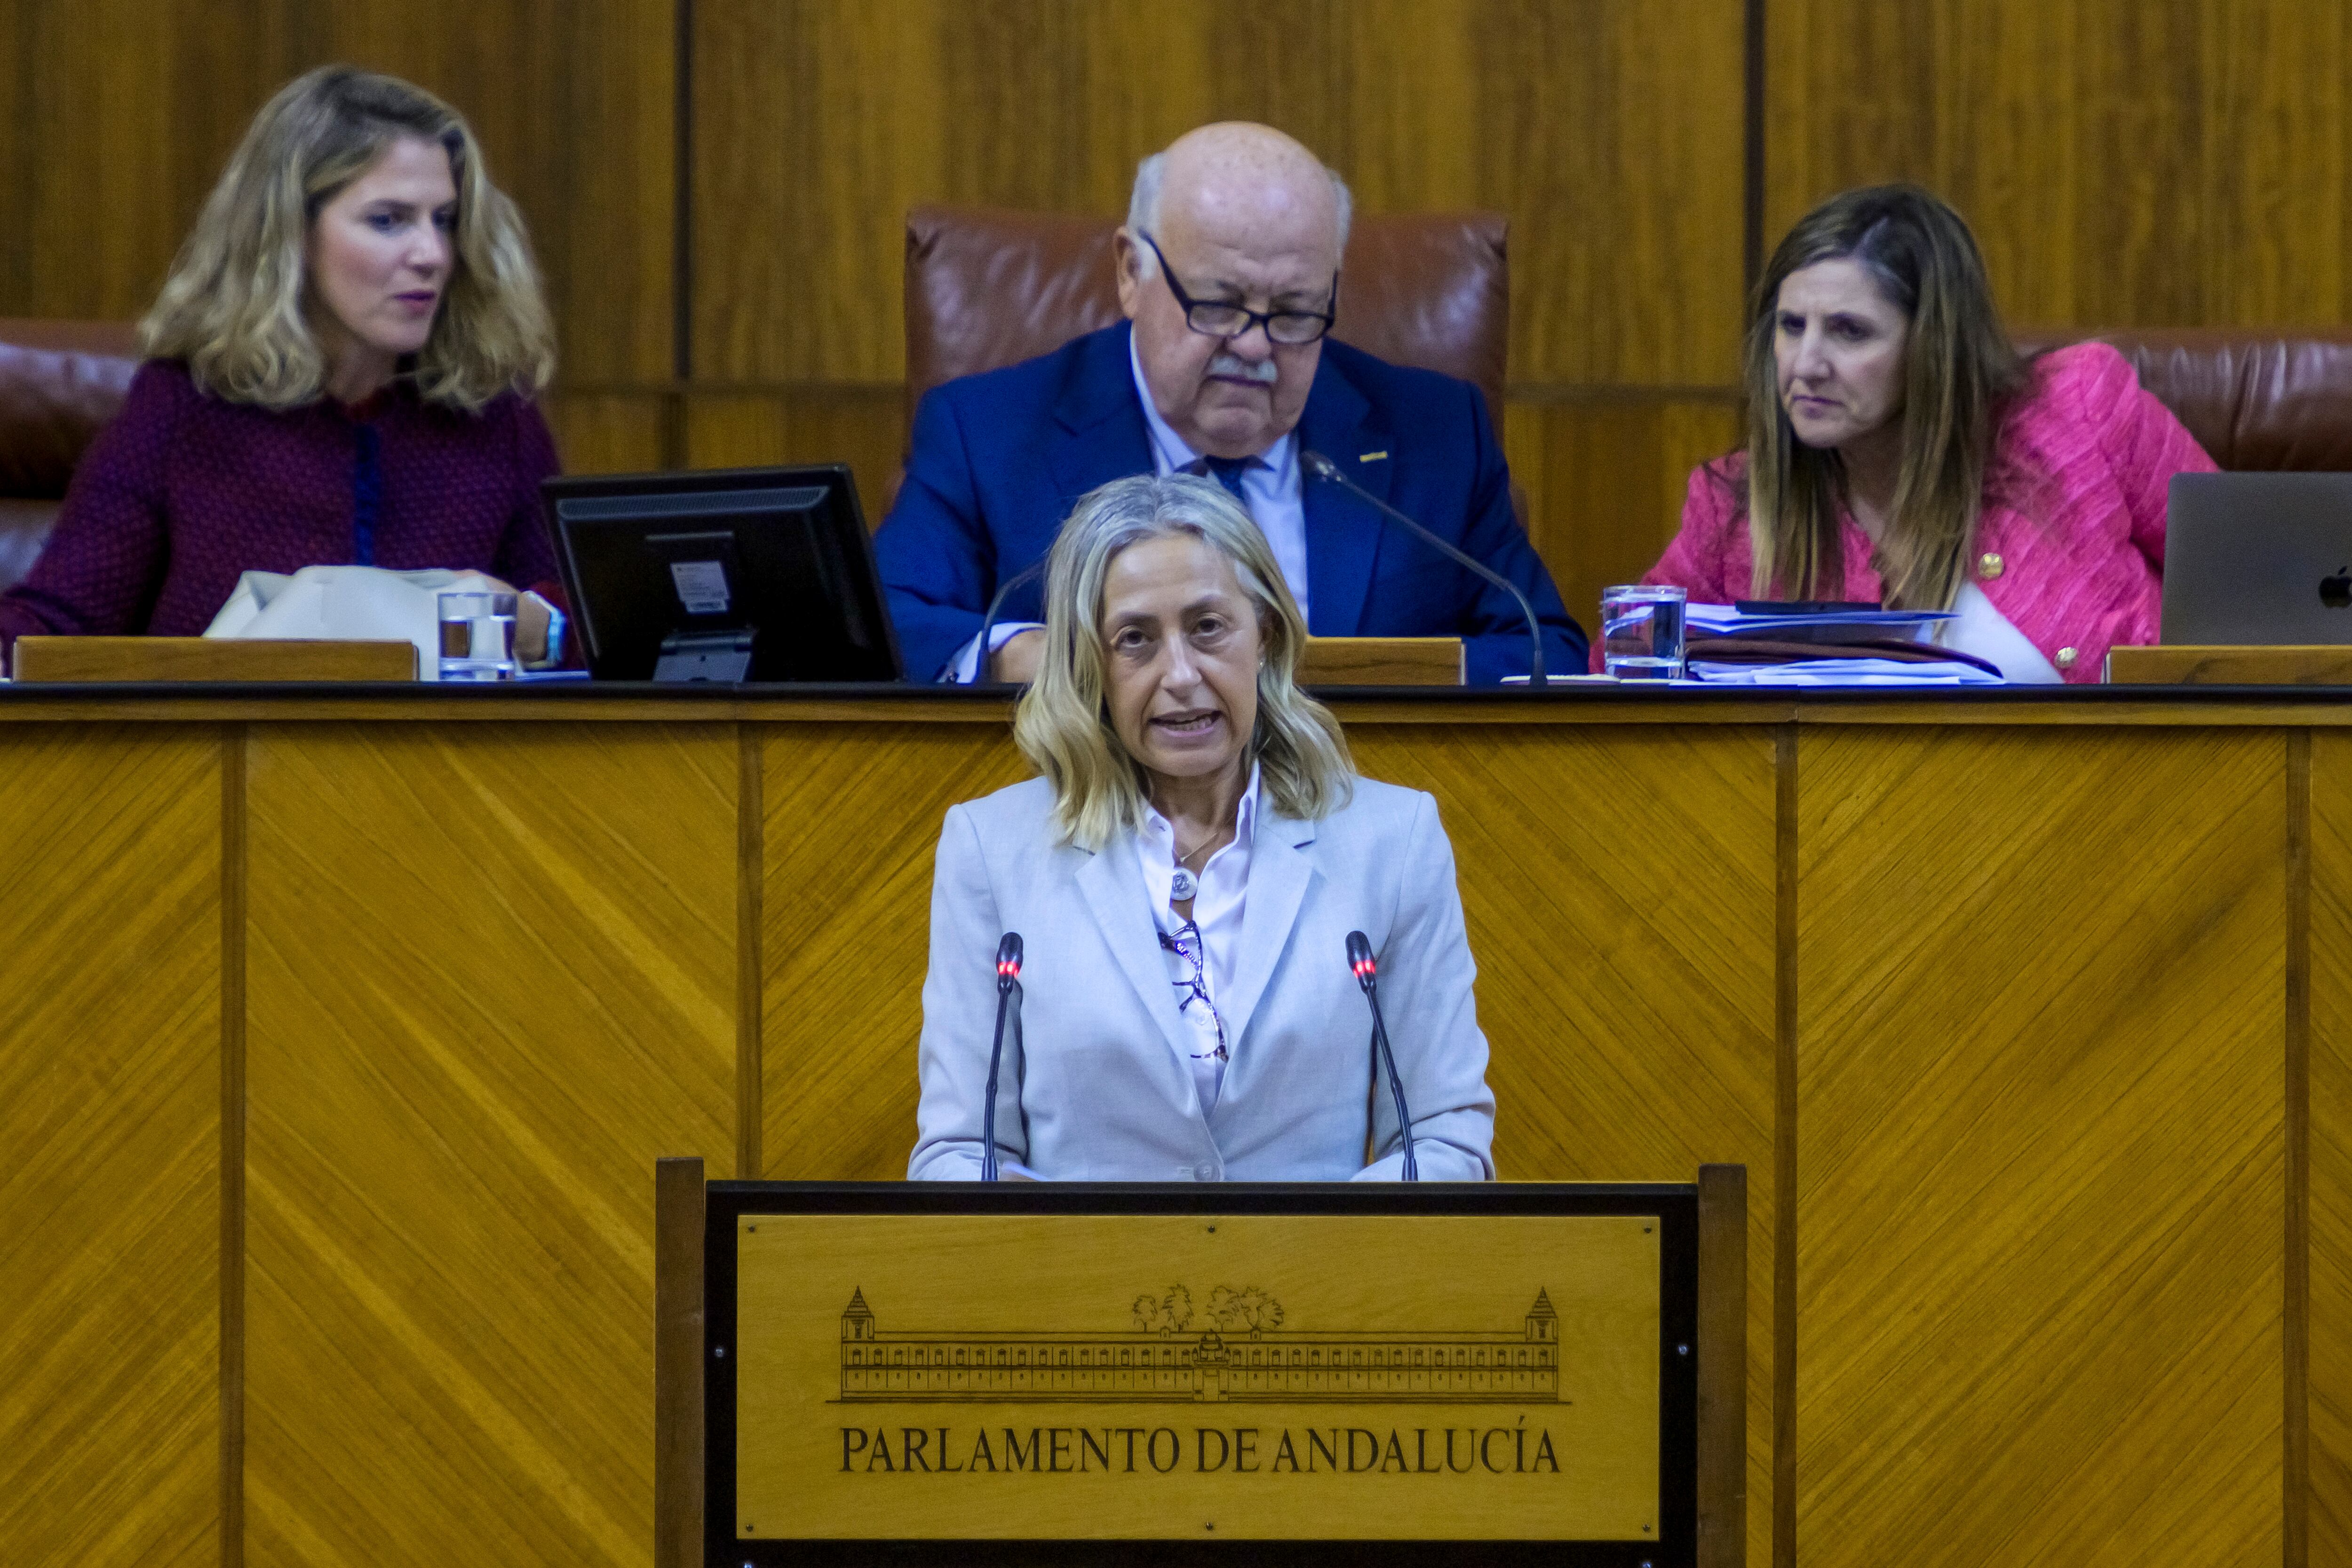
column 1186, row 944
column 1223, row 319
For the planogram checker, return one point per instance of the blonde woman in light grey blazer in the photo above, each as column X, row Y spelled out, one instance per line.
column 1185, row 874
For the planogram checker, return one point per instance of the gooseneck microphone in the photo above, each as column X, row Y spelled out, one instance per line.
column 1323, row 468
column 1368, row 975
column 988, row 622
column 1008, row 1000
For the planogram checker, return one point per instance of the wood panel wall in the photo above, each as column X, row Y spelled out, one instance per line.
column 717, row 187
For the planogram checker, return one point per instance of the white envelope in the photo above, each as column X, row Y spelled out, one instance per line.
column 345, row 603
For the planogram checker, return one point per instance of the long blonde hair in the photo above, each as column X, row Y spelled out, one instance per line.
column 1063, row 723
column 233, row 306
column 1960, row 371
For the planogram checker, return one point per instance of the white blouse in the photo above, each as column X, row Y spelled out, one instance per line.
column 1213, row 937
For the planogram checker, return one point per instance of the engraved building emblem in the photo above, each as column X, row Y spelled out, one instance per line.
column 1240, row 1353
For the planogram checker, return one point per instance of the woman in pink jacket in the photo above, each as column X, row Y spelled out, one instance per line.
column 1899, row 450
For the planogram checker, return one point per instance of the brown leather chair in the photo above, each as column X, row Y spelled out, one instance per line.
column 60, row 382
column 2257, row 400
column 987, row 287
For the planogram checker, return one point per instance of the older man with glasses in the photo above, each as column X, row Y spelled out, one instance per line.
column 1229, row 276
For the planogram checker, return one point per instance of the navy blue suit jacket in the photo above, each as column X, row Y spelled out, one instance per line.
column 998, row 460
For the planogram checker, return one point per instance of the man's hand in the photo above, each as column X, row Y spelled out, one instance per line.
column 1017, row 661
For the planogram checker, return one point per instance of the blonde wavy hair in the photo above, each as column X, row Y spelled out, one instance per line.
column 1062, row 722
column 233, row 308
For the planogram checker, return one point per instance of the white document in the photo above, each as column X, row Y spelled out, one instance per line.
column 1843, row 673
column 346, row 603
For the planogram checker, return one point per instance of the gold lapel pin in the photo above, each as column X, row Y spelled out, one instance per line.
column 1372, row 458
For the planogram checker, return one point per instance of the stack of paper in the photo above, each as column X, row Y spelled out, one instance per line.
column 1843, row 673
column 1820, row 626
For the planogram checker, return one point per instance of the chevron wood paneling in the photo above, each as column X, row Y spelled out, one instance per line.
column 2330, row 1397
column 1602, row 481
column 110, row 1144
column 1618, row 885
column 122, row 114
column 2124, row 163
column 852, row 821
column 1609, row 133
column 2040, row 1147
column 491, row 978
column 865, row 427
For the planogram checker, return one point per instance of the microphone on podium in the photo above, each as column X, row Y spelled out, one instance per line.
column 1008, row 1000
column 1323, row 468
column 1368, row 975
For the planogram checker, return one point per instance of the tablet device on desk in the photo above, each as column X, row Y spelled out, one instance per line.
column 2258, row 559
column 739, row 574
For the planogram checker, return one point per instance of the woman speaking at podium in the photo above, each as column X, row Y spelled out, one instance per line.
column 1184, row 876
column 339, row 373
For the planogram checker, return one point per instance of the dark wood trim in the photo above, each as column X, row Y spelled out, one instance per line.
column 679, row 1198
column 1784, row 1154
column 1722, row 1367
column 2295, row 1352
column 728, row 1204
column 681, row 262
column 750, row 912
column 673, row 431
column 1755, row 40
column 232, row 1145
column 849, row 393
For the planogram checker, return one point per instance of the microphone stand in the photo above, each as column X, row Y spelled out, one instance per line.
column 1323, row 468
column 988, row 622
column 1008, row 998
column 1359, row 958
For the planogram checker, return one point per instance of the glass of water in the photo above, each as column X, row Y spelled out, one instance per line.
column 1642, row 632
column 478, row 636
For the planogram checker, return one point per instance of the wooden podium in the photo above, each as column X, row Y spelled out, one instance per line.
column 1031, row 1373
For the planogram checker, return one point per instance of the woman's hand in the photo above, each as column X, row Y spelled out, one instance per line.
column 531, row 621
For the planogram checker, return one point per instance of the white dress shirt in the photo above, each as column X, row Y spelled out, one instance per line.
column 1270, row 489
column 1216, row 917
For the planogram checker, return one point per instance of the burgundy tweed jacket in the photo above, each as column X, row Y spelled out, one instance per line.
column 183, row 492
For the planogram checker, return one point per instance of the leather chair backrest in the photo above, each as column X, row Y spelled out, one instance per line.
column 60, row 381
column 2262, row 402
column 987, row 287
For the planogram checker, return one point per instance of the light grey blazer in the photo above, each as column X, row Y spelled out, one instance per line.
column 1099, row 1088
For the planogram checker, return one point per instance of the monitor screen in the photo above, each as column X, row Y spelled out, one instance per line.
column 775, row 561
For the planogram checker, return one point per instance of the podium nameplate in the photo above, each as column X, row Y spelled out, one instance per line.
column 1316, row 1367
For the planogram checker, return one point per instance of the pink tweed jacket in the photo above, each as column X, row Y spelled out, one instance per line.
column 2070, row 544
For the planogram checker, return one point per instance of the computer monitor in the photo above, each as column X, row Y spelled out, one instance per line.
column 739, row 574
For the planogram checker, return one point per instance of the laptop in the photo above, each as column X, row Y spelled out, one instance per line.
column 2258, row 559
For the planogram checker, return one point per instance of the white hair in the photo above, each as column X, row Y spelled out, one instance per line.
column 1143, row 207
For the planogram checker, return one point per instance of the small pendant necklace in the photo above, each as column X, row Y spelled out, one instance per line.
column 1184, row 885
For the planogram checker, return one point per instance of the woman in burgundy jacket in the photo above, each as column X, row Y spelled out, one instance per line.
column 339, row 372
column 1899, row 450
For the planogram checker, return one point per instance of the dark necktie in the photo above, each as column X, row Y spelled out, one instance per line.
column 1225, row 471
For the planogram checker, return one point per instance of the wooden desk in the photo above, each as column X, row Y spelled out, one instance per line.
column 342, row 1032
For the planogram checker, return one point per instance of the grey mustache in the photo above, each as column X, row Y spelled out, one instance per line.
column 1235, row 365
